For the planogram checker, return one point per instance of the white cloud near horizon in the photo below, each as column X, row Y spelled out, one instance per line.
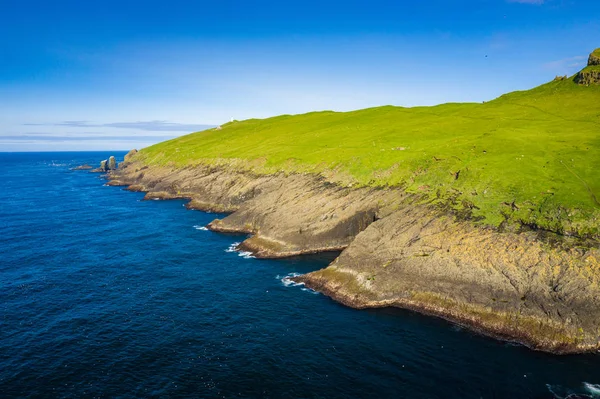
column 149, row 126
column 559, row 66
column 49, row 137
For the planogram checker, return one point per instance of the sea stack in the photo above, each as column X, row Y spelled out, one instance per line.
column 107, row 165
column 112, row 164
column 590, row 75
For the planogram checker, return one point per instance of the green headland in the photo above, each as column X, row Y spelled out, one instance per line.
column 527, row 158
column 524, row 163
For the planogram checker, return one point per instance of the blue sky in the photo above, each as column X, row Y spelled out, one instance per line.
column 78, row 75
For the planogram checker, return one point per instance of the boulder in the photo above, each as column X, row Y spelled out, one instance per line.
column 103, row 165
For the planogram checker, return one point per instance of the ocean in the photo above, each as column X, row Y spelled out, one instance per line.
column 103, row 295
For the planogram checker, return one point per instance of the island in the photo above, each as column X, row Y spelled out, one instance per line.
column 484, row 214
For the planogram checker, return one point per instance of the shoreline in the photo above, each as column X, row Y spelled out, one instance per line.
column 470, row 324
column 386, row 261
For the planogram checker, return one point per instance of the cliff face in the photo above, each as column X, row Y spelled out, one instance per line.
column 399, row 253
column 287, row 215
column 508, row 285
column 594, row 58
column 591, row 74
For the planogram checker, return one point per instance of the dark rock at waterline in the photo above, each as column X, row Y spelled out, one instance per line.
column 83, row 167
column 103, row 167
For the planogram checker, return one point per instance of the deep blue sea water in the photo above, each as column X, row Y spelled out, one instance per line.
column 105, row 295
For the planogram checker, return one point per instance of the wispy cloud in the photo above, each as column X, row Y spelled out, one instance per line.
column 536, row 2
column 48, row 137
column 149, row 126
column 566, row 63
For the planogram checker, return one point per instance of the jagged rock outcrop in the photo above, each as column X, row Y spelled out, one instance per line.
column 130, row 155
column 112, row 163
column 400, row 252
column 591, row 74
column 287, row 215
column 511, row 286
column 107, row 165
column 594, row 58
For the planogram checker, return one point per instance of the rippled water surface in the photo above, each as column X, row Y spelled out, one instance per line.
column 105, row 295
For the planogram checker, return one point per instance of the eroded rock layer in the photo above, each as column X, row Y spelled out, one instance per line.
column 399, row 253
column 591, row 74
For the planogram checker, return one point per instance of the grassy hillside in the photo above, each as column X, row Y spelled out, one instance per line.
column 530, row 156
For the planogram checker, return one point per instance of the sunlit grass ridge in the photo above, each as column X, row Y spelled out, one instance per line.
column 531, row 157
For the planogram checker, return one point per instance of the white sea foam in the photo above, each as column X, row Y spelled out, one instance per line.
column 243, row 254
column 202, row 228
column 246, row 255
column 232, row 247
column 594, row 389
column 288, row 282
column 560, row 392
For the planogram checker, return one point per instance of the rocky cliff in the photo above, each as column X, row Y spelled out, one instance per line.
column 591, row 74
column 594, row 58
column 540, row 290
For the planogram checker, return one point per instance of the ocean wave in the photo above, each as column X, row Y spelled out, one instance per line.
column 202, row 228
column 233, row 247
column 244, row 254
column 288, row 282
column 594, row 389
column 560, row 392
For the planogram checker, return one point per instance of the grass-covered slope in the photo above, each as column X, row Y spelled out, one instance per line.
column 531, row 157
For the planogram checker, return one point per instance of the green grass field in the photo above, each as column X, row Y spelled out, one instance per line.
column 528, row 157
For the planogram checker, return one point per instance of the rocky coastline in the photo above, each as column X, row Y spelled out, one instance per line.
column 512, row 285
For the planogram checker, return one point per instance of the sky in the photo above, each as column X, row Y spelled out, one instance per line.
column 115, row 75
